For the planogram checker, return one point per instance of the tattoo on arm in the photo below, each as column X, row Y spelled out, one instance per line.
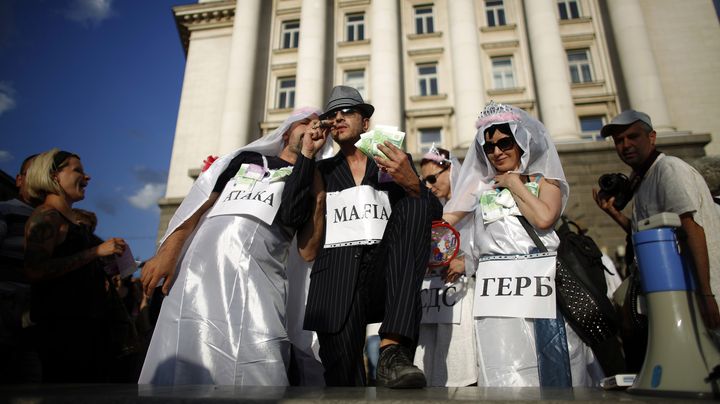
column 42, row 234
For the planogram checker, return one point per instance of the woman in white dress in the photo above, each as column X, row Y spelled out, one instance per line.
column 446, row 351
column 514, row 170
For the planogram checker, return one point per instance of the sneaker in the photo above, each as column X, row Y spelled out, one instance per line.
column 396, row 370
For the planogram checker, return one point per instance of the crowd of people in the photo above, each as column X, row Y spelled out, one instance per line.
column 349, row 237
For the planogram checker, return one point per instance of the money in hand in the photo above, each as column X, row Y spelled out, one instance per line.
column 370, row 140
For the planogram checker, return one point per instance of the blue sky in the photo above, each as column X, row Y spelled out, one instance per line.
column 100, row 78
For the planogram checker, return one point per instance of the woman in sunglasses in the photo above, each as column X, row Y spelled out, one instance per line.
column 446, row 351
column 514, row 172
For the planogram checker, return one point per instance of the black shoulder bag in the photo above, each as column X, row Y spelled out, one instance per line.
column 581, row 296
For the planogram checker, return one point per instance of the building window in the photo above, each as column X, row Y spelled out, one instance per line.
column 424, row 19
column 355, row 27
column 590, row 125
column 356, row 79
column 286, row 93
column 568, row 9
column 427, row 79
column 502, row 71
column 580, row 68
column 495, row 12
column 290, row 34
column 428, row 136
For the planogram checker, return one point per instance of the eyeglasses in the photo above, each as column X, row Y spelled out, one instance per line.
column 432, row 178
column 503, row 144
column 343, row 111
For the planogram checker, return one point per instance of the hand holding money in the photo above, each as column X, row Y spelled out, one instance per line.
column 370, row 140
column 384, row 145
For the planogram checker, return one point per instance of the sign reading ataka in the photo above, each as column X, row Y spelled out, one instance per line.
column 261, row 200
column 516, row 286
column 356, row 216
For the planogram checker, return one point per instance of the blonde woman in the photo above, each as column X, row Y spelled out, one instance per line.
column 70, row 299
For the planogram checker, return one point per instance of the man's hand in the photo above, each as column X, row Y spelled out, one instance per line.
column 606, row 204
column 157, row 268
column 314, row 138
column 398, row 166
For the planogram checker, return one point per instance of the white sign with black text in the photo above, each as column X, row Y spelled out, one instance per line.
column 441, row 302
column 356, row 216
column 520, row 286
column 262, row 200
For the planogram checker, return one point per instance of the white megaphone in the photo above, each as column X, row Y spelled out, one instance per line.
column 680, row 353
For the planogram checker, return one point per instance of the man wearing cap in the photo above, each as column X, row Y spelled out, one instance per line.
column 370, row 278
column 662, row 183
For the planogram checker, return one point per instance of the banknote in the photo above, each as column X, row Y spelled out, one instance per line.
column 370, row 140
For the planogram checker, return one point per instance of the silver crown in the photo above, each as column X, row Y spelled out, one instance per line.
column 493, row 108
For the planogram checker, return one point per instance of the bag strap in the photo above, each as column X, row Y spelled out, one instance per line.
column 532, row 233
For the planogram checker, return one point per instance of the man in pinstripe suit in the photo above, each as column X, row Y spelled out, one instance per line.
column 366, row 282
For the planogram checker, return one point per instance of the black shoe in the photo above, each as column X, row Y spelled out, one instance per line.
column 396, row 370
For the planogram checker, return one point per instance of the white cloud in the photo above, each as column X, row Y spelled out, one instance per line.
column 148, row 196
column 89, row 11
column 7, row 96
column 5, row 156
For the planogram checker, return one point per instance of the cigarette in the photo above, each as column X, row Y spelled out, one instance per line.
column 326, row 123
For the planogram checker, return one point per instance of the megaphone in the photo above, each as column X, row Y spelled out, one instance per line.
column 680, row 353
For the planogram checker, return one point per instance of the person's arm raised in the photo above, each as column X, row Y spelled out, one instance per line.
column 312, row 234
column 607, row 206
column 542, row 211
column 398, row 165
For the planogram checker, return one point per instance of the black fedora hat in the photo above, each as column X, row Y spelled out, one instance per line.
column 346, row 97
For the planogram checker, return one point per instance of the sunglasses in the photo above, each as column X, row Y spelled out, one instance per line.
column 343, row 111
column 503, row 144
column 432, row 178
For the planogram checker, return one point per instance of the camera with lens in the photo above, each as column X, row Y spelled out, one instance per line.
column 617, row 185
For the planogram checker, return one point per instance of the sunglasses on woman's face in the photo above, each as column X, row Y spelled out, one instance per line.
column 503, row 144
column 432, row 178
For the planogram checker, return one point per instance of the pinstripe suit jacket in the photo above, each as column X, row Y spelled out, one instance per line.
column 334, row 275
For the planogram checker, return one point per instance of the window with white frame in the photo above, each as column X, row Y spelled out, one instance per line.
column 355, row 27
column 290, row 35
column 427, row 79
column 569, row 9
column 495, row 13
column 356, row 79
column 580, row 66
column 590, row 125
column 503, row 73
column 428, row 136
column 424, row 23
column 285, row 93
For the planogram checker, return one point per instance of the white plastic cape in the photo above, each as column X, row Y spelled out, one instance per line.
column 224, row 320
column 506, row 346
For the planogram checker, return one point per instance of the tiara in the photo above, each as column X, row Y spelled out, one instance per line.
column 494, row 112
column 434, row 155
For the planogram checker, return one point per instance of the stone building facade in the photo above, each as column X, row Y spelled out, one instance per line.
column 430, row 66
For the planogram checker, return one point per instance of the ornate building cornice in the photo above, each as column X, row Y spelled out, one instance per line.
column 192, row 17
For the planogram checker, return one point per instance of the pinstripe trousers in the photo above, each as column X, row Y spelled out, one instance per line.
column 388, row 288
